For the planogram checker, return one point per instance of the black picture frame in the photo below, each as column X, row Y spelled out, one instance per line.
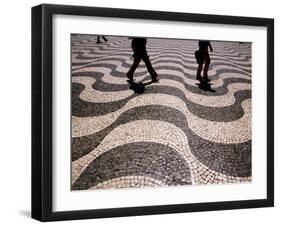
column 42, row 107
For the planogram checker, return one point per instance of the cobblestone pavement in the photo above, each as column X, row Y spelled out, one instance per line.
column 175, row 133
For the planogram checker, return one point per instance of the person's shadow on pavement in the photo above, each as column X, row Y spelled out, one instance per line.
column 206, row 86
column 138, row 87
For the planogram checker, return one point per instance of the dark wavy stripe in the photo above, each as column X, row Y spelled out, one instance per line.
column 108, row 87
column 136, row 159
column 187, row 49
column 241, row 50
column 221, row 114
column 153, row 43
column 81, row 108
column 220, row 91
column 83, row 145
column 234, row 159
column 189, row 45
column 86, row 109
column 190, row 50
column 230, row 159
column 156, row 60
column 104, row 46
column 100, row 47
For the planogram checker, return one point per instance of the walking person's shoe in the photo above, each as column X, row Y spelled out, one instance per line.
column 104, row 38
column 199, row 78
column 130, row 77
column 154, row 76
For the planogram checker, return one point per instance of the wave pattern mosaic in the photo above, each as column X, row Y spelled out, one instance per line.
column 160, row 123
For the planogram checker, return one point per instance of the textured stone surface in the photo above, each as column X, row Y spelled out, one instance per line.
column 140, row 159
column 174, row 133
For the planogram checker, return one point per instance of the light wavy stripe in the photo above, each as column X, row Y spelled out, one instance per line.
column 102, row 46
column 208, row 101
column 91, row 95
column 187, row 45
column 222, row 132
column 149, row 131
column 185, row 49
column 156, row 61
column 178, row 53
column 222, row 62
column 115, row 43
column 120, row 68
column 129, row 181
column 235, row 49
column 191, row 49
column 184, row 68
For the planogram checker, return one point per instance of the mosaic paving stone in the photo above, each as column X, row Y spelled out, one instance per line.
column 140, row 159
column 175, row 133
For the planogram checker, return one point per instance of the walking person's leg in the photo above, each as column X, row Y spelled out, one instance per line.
column 98, row 39
column 199, row 55
column 206, row 67
column 134, row 66
column 104, row 38
column 199, row 69
column 149, row 67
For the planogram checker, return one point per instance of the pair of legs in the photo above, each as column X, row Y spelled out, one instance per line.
column 206, row 61
column 137, row 59
column 98, row 39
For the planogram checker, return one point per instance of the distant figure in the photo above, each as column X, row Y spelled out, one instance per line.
column 202, row 57
column 139, row 48
column 98, row 39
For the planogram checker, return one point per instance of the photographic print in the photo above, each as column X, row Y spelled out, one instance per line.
column 157, row 112
column 168, row 113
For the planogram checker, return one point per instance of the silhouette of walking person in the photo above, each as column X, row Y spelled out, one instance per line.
column 98, row 39
column 202, row 57
column 139, row 48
